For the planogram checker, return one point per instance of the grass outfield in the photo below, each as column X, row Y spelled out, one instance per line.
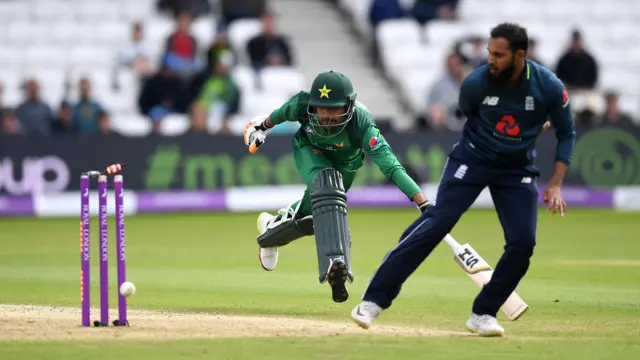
column 583, row 288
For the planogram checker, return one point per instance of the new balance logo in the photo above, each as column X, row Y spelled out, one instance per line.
column 462, row 170
column 529, row 103
column 526, row 180
column 491, row 100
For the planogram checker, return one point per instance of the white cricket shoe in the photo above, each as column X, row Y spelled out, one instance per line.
column 268, row 256
column 484, row 325
column 364, row 313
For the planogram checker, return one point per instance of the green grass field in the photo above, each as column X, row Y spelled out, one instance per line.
column 583, row 288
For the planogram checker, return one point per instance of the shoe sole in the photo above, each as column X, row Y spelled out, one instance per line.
column 337, row 277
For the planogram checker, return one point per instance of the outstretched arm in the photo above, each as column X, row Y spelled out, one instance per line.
column 375, row 146
column 255, row 133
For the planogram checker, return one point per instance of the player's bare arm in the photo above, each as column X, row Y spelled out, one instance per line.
column 553, row 192
column 562, row 119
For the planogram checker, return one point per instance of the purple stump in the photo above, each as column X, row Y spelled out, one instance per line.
column 104, row 250
column 120, row 246
column 85, row 253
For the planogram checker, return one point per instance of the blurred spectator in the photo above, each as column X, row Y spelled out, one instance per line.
column 34, row 115
column 218, row 99
column 195, row 7
column 472, row 51
column 269, row 48
column 63, row 124
column 136, row 56
column 381, row 10
column 162, row 94
column 181, row 48
column 577, row 68
column 9, row 124
column 612, row 114
column 242, row 9
column 443, row 97
column 532, row 52
column 86, row 112
column 427, row 10
column 219, row 48
column 104, row 123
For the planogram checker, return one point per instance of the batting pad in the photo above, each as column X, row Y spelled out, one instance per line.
column 329, row 210
column 287, row 232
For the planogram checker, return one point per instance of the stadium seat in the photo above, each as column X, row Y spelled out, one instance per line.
column 117, row 103
column 440, row 32
column 359, row 10
column 174, row 125
column 204, row 30
column 133, row 125
column 261, row 103
column 405, row 59
column 11, row 56
column 15, row 11
column 392, row 34
column 415, row 87
column 95, row 11
column 45, row 56
column 240, row 32
column 282, row 80
column 158, row 30
column 54, row 10
column 245, row 77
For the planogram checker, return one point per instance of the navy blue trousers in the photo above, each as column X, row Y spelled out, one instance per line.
column 515, row 195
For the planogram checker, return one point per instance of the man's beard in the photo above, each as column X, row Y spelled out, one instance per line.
column 505, row 75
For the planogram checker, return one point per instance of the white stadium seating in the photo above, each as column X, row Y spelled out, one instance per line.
column 61, row 40
column 610, row 28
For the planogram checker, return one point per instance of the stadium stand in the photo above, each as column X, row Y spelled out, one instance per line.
column 57, row 43
column 413, row 55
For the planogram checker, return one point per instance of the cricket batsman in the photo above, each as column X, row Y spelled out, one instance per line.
column 506, row 102
column 335, row 135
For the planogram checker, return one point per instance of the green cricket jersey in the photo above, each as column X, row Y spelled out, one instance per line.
column 347, row 150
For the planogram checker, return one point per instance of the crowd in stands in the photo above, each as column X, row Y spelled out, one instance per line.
column 577, row 67
column 183, row 80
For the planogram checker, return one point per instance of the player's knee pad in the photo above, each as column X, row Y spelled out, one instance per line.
column 286, row 232
column 329, row 210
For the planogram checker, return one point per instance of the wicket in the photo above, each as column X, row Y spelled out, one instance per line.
column 85, row 251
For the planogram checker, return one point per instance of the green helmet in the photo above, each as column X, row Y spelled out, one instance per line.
column 331, row 90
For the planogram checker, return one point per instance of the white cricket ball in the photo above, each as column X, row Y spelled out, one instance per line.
column 127, row 289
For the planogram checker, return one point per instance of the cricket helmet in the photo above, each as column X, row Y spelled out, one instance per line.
column 331, row 89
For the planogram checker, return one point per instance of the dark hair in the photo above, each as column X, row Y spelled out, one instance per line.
column 514, row 34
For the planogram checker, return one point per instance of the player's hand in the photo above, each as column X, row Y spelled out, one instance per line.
column 424, row 206
column 255, row 133
column 554, row 201
column 546, row 126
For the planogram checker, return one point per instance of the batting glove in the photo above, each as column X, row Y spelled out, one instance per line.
column 424, row 206
column 255, row 133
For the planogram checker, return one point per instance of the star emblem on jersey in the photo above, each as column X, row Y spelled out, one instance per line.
column 508, row 126
column 324, row 92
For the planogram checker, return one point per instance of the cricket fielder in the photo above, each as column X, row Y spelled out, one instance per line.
column 335, row 135
column 506, row 103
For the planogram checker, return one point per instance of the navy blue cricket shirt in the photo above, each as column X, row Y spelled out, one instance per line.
column 504, row 121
